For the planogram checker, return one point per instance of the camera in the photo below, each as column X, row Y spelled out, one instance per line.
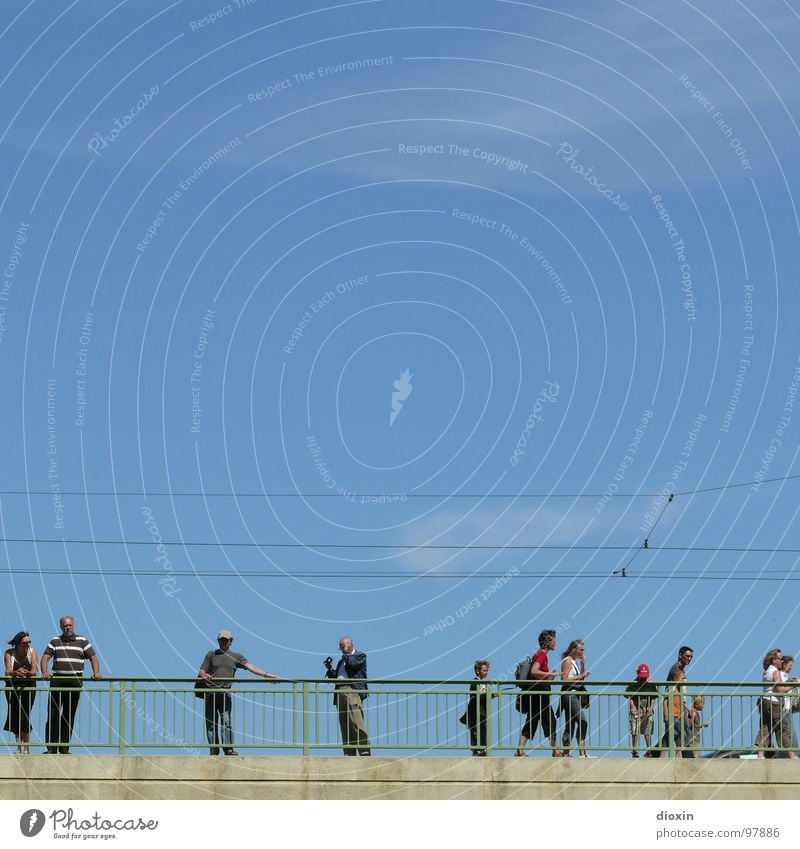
column 328, row 661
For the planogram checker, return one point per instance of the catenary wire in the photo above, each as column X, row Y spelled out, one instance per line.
column 715, row 575
column 410, row 548
column 408, row 495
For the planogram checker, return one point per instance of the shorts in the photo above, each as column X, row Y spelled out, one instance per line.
column 640, row 724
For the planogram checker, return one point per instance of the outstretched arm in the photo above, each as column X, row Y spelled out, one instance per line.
column 257, row 670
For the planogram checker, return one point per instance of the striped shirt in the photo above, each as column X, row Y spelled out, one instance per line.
column 69, row 656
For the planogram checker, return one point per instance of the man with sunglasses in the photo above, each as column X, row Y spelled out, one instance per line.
column 218, row 665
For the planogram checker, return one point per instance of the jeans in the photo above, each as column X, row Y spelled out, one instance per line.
column 681, row 733
column 574, row 723
column 218, row 705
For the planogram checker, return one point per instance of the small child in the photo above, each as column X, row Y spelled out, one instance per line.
column 696, row 724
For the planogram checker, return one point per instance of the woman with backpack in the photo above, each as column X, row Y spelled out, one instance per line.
column 22, row 667
column 536, row 701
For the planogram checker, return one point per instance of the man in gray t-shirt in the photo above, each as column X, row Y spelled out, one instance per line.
column 217, row 665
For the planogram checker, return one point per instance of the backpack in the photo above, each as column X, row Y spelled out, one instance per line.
column 522, row 675
column 523, row 670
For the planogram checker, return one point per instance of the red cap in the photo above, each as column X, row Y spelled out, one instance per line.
column 643, row 671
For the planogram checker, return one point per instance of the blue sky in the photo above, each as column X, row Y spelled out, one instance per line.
column 229, row 233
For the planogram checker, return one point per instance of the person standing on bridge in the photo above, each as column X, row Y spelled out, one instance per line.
column 772, row 715
column 22, row 667
column 70, row 652
column 220, row 664
column 536, row 702
column 350, row 673
column 685, row 656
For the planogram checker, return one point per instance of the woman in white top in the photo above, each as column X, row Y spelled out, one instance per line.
column 574, row 697
column 772, row 716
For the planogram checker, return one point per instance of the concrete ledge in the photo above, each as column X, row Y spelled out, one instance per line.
column 138, row 777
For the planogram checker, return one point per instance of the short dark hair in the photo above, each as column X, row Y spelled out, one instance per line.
column 545, row 637
column 684, row 649
column 478, row 663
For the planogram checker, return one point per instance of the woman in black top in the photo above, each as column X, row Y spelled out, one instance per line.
column 22, row 667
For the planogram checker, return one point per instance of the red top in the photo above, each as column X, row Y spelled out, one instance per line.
column 541, row 658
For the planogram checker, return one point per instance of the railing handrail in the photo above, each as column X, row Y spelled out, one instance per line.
column 555, row 684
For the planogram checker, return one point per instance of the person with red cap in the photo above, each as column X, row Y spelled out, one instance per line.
column 642, row 696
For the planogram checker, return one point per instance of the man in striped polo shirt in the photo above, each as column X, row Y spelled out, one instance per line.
column 69, row 652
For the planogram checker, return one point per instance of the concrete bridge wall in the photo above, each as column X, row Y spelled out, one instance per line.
column 140, row 777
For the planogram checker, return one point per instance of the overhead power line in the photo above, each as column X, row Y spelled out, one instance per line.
column 408, row 548
column 771, row 575
column 356, row 495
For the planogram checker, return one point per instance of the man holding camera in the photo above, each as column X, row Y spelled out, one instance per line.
column 351, row 689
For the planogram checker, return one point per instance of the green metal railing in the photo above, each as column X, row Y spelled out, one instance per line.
column 145, row 715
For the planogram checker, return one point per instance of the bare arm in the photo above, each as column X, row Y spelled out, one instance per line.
column 257, row 670
column 45, row 662
column 34, row 664
column 7, row 656
column 539, row 674
column 95, row 667
column 566, row 669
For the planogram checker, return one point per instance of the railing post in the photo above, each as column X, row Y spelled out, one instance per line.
column 487, row 743
column 306, row 705
column 500, row 694
column 671, row 692
column 122, row 706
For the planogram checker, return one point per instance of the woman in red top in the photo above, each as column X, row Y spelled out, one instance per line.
column 537, row 701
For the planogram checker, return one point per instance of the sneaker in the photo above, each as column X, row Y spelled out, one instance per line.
column 231, row 752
